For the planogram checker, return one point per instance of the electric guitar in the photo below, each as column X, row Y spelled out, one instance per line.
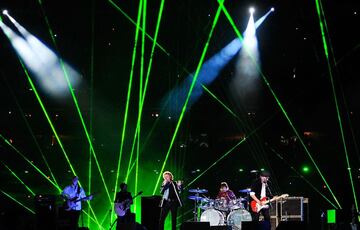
column 71, row 203
column 255, row 207
column 122, row 207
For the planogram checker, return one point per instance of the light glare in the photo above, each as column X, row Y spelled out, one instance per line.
column 251, row 10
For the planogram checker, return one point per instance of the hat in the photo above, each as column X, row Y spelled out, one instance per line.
column 265, row 174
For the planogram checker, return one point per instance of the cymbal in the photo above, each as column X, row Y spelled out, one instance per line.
column 247, row 190
column 198, row 190
column 197, row 198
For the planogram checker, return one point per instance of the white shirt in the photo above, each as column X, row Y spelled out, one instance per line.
column 71, row 192
column 263, row 190
column 166, row 194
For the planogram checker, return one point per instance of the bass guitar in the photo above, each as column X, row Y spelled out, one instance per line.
column 122, row 207
column 255, row 207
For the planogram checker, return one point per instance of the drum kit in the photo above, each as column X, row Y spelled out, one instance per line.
column 219, row 211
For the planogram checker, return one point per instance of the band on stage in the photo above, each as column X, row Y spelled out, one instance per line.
column 225, row 209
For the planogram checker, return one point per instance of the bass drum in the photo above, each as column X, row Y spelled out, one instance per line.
column 213, row 216
column 235, row 218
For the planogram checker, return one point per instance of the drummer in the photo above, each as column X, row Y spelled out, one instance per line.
column 225, row 193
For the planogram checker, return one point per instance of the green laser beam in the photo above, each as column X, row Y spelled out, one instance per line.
column 91, row 112
column 228, row 152
column 76, row 105
column 189, row 93
column 18, row 178
column 302, row 177
column 17, row 201
column 136, row 25
column 166, row 52
column 32, row 133
column 140, row 101
column 146, row 83
column 282, row 109
column 27, row 160
column 9, row 33
column 128, row 97
column 321, row 16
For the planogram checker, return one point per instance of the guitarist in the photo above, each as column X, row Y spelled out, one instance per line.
column 259, row 190
column 72, row 193
column 124, row 197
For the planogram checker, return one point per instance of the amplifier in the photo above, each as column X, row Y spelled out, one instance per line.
column 292, row 209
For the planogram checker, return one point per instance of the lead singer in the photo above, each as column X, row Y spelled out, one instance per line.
column 170, row 200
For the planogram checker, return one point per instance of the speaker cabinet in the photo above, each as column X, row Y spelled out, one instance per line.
column 150, row 211
column 195, row 225
column 292, row 209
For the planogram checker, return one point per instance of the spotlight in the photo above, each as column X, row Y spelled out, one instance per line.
column 5, row 12
column 272, row 9
column 251, row 10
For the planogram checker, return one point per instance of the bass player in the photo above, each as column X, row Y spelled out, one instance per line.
column 123, row 201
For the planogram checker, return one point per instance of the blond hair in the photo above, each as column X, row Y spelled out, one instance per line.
column 169, row 173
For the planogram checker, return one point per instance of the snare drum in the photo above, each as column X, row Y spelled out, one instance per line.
column 237, row 216
column 221, row 204
column 213, row 216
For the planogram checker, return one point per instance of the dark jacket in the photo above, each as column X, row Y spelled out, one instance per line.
column 256, row 188
column 174, row 192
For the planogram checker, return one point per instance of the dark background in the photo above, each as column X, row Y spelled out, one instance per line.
column 97, row 40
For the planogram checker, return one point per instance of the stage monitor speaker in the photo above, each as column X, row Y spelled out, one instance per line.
column 293, row 225
column 150, row 211
column 195, row 225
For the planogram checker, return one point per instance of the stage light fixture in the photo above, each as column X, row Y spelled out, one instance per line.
column 5, row 12
column 272, row 9
column 251, row 10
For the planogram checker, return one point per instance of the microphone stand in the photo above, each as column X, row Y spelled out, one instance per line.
column 270, row 193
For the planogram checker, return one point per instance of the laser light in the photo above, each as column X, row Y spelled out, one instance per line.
column 306, row 169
